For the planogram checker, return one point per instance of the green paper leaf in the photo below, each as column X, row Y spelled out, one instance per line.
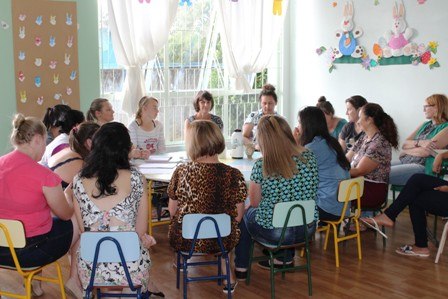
column 433, row 50
column 436, row 64
column 323, row 49
column 332, row 67
column 431, row 66
column 373, row 63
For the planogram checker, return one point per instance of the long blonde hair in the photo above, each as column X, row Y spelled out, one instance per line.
column 278, row 147
column 143, row 101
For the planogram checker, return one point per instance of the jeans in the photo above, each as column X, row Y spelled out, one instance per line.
column 400, row 173
column 420, row 196
column 43, row 249
column 251, row 229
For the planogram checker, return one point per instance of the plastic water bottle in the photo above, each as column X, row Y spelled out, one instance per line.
column 237, row 150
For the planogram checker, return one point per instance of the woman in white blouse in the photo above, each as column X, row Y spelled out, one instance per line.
column 146, row 132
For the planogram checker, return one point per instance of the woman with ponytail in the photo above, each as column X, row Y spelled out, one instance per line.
column 371, row 155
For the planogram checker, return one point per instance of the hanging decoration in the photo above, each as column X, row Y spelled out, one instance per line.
column 348, row 51
column 277, row 8
column 182, row 2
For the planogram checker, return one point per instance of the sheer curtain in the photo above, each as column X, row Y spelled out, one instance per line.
column 249, row 33
column 139, row 30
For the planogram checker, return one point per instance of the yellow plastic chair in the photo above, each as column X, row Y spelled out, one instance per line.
column 12, row 235
column 349, row 190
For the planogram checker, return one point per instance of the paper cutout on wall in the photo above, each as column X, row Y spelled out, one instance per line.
column 348, row 51
column 334, row 4
column 182, row 2
column 142, row 1
column 421, row 1
column 41, row 39
column 4, row 25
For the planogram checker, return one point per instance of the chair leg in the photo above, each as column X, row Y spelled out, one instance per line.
column 442, row 243
column 308, row 270
column 358, row 239
column 178, row 270
column 185, row 268
column 60, row 280
column 327, row 235
column 28, row 286
column 336, row 243
column 271, row 268
column 251, row 255
column 229, row 294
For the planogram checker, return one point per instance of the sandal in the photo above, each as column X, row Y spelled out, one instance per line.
column 374, row 226
column 408, row 250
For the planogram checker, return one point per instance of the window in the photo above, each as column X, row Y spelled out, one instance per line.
column 191, row 61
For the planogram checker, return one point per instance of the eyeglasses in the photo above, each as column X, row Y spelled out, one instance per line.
column 427, row 106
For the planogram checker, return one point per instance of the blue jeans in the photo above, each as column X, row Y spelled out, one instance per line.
column 251, row 229
column 43, row 249
column 400, row 173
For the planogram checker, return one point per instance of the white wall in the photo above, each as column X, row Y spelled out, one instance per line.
column 399, row 89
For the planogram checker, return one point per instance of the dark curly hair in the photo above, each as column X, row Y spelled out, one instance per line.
column 383, row 122
column 312, row 123
column 110, row 152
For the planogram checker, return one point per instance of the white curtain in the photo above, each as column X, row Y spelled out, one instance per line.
column 139, row 30
column 249, row 33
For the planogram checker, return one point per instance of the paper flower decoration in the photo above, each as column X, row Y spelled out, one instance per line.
column 425, row 55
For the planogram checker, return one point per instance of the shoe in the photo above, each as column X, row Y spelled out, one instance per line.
column 156, row 294
column 408, row 250
column 374, row 226
column 240, row 275
column 267, row 266
column 232, row 288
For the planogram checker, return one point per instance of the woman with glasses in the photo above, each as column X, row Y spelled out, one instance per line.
column 418, row 147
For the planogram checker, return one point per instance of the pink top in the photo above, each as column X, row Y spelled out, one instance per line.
column 21, row 194
column 398, row 42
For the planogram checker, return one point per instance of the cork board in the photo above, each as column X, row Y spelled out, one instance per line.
column 45, row 55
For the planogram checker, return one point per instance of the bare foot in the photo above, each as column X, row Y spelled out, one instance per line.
column 381, row 220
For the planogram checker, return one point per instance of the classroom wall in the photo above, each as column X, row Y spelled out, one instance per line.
column 88, row 55
column 399, row 89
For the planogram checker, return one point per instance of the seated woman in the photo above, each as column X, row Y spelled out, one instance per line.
column 286, row 172
column 31, row 193
column 331, row 161
column 51, row 120
column 67, row 163
column 100, row 111
column 206, row 186
column 416, row 150
column 351, row 131
column 65, row 123
column 422, row 194
column 268, row 101
column 203, row 104
column 371, row 155
column 111, row 196
column 334, row 124
column 147, row 132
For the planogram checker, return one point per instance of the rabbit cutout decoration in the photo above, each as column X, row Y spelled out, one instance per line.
column 396, row 42
column 348, row 45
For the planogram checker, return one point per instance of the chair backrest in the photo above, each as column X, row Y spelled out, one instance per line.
column 15, row 232
column 348, row 189
column 207, row 229
column 281, row 210
column 108, row 251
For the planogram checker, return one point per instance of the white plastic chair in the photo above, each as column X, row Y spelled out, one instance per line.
column 113, row 247
column 442, row 242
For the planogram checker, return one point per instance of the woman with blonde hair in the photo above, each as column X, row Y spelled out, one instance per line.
column 146, row 132
column 206, row 186
column 32, row 194
column 286, row 172
column 100, row 111
column 415, row 156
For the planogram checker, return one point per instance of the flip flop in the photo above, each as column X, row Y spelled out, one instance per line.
column 407, row 250
column 374, row 226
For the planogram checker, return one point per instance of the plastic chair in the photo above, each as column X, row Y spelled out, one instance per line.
column 12, row 235
column 286, row 214
column 204, row 226
column 376, row 211
column 442, row 242
column 349, row 190
column 113, row 247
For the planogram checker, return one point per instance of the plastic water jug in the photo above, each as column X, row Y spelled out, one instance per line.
column 237, row 149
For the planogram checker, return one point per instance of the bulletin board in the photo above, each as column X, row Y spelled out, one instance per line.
column 45, row 55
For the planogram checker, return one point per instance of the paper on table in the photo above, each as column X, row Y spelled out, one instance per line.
column 156, row 171
column 158, row 158
column 157, row 165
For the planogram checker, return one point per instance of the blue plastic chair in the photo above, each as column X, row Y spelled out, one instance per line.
column 204, row 226
column 113, row 247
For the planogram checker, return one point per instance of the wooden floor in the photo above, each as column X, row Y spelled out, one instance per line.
column 380, row 274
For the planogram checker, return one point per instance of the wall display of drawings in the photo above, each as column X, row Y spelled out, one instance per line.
column 45, row 55
column 394, row 47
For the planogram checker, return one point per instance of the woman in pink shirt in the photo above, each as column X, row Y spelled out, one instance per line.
column 30, row 192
